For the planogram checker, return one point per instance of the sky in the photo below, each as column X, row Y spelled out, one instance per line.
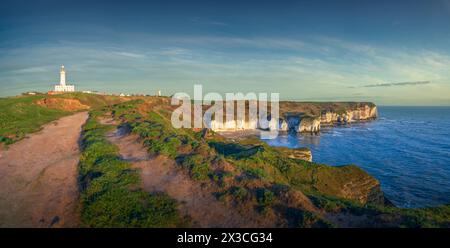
column 388, row 52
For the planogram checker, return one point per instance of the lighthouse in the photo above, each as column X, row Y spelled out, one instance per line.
column 62, row 86
column 62, row 76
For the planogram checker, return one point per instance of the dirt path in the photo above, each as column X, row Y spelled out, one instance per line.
column 38, row 177
column 161, row 174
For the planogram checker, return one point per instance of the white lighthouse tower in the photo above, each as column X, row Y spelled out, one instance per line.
column 62, row 87
column 62, row 76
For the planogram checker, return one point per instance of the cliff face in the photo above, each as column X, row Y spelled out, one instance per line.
column 362, row 113
column 309, row 123
column 349, row 182
column 283, row 125
column 364, row 190
column 233, row 125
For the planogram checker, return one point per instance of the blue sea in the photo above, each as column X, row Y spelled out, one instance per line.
column 407, row 149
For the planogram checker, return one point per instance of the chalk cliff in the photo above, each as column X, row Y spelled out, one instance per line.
column 306, row 117
column 309, row 124
column 362, row 113
column 329, row 115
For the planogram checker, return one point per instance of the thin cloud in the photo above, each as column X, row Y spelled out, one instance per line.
column 175, row 52
column 396, row 84
column 254, row 43
column 36, row 69
column 129, row 55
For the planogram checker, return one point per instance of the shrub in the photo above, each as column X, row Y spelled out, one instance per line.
column 255, row 172
column 198, row 168
column 6, row 140
column 265, row 197
column 239, row 193
column 200, row 171
column 301, row 218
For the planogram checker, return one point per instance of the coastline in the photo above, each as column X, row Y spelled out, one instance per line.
column 241, row 166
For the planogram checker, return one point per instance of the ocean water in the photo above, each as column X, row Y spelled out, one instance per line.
column 407, row 149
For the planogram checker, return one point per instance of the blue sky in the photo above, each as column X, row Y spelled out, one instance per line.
column 389, row 52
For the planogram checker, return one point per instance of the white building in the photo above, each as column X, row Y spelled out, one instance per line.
column 62, row 87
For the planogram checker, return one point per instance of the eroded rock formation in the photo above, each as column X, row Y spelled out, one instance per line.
column 362, row 113
column 309, row 122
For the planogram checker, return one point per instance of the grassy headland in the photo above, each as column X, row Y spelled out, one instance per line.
column 247, row 175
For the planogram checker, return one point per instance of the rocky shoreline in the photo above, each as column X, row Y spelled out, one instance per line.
column 308, row 118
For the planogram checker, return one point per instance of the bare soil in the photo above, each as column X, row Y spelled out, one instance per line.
column 62, row 104
column 38, row 177
column 161, row 174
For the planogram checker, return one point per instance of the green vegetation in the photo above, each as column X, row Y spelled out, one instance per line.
column 198, row 168
column 424, row 217
column 306, row 219
column 92, row 100
column 265, row 197
column 386, row 216
column 253, row 160
column 259, row 160
column 247, row 174
column 6, row 140
column 110, row 194
column 20, row 116
column 239, row 193
column 127, row 110
column 160, row 137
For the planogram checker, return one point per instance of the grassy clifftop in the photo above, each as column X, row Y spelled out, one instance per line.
column 22, row 115
column 248, row 175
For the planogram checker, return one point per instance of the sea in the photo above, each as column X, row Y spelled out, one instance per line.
column 407, row 149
